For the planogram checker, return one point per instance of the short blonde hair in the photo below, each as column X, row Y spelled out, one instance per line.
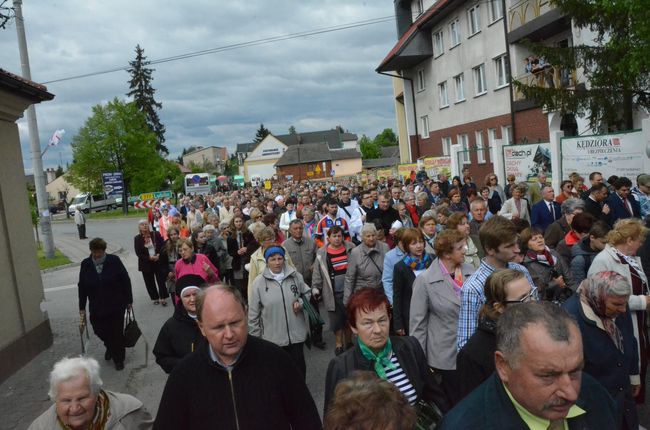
column 625, row 229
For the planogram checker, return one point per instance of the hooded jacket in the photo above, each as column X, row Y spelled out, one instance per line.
column 581, row 257
column 177, row 338
column 270, row 307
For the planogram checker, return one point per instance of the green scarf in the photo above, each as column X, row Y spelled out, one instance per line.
column 381, row 359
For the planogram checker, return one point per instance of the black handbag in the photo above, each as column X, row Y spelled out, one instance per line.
column 131, row 330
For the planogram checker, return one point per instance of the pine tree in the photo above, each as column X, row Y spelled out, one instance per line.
column 143, row 95
column 261, row 133
column 292, row 130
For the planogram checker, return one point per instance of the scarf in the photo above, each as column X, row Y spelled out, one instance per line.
column 279, row 277
column 456, row 277
column 381, row 359
column 545, row 257
column 100, row 417
column 594, row 292
column 417, row 263
column 629, row 260
column 99, row 264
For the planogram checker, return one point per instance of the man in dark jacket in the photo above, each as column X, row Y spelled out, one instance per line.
column 621, row 203
column 595, row 203
column 105, row 284
column 234, row 381
column 538, row 380
column 385, row 213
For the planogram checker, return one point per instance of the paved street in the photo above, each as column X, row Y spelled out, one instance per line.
column 24, row 395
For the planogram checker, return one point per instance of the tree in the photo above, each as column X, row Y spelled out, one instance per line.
column 117, row 138
column 59, row 171
column 232, row 166
column 261, row 133
column 185, row 152
column 386, row 138
column 615, row 68
column 292, row 130
column 6, row 14
column 369, row 149
column 143, row 96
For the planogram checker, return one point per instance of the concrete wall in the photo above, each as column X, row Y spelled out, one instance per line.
column 263, row 158
column 25, row 329
column 60, row 185
column 348, row 167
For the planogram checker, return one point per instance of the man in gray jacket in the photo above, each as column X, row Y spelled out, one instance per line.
column 302, row 250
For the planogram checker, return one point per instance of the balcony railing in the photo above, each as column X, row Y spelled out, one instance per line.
column 549, row 77
column 524, row 11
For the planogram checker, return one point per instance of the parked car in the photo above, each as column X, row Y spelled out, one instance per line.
column 95, row 203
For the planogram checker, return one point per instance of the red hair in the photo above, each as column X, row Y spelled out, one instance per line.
column 367, row 299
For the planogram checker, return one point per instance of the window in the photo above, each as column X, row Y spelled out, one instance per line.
column 480, row 147
column 421, row 80
column 446, row 146
column 479, row 80
column 459, row 80
column 444, row 98
column 496, row 10
column 454, row 29
column 501, row 71
column 419, row 7
column 438, row 44
column 506, row 135
column 492, row 136
column 474, row 20
column 464, row 142
column 425, row 126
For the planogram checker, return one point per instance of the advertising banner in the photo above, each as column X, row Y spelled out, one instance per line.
column 619, row 154
column 436, row 165
column 113, row 184
column 384, row 173
column 404, row 170
column 527, row 161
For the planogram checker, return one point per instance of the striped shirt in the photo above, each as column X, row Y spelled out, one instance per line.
column 400, row 380
column 472, row 297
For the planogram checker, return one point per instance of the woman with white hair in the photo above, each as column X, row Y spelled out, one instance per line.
column 80, row 403
column 148, row 247
column 365, row 263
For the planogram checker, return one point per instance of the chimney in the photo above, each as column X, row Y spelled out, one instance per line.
column 403, row 16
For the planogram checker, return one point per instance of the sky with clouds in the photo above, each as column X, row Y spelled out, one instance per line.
column 312, row 83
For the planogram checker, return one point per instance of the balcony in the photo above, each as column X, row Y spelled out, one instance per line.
column 524, row 11
column 548, row 77
column 535, row 20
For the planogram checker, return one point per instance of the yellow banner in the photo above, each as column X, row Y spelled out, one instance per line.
column 404, row 170
column 384, row 173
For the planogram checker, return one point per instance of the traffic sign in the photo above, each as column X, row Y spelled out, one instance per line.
column 156, row 195
column 146, row 204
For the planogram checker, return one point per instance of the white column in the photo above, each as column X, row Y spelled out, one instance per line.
column 556, row 156
column 496, row 155
column 455, row 165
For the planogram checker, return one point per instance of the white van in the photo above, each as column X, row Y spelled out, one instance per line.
column 87, row 202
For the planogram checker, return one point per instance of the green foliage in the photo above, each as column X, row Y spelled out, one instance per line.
column 617, row 67
column 59, row 171
column 292, row 130
column 369, row 149
column 7, row 13
column 232, row 167
column 33, row 208
column 386, row 138
column 117, row 138
column 143, row 95
column 46, row 263
column 261, row 133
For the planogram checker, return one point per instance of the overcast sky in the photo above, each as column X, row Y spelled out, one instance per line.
column 313, row 83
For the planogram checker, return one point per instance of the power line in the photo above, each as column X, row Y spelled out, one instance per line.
column 240, row 45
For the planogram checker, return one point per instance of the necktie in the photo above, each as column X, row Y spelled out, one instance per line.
column 627, row 207
column 552, row 209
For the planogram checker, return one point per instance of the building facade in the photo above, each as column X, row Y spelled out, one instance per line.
column 203, row 157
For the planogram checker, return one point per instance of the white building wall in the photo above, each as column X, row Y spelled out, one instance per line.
column 480, row 48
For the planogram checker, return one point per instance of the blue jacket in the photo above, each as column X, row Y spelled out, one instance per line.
column 489, row 408
column 541, row 217
column 618, row 211
column 603, row 360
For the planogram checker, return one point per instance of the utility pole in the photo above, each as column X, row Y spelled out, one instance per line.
column 34, row 141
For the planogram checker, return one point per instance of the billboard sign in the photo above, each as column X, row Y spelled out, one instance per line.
column 525, row 162
column 113, row 184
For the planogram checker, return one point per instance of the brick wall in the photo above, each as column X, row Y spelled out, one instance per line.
column 531, row 124
column 299, row 171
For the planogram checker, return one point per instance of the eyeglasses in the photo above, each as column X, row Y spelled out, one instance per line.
column 527, row 298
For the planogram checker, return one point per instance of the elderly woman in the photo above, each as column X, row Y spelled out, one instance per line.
column 435, row 307
column 610, row 350
column 168, row 258
column 516, row 207
column 365, row 263
column 328, row 276
column 275, row 306
column 427, row 226
column 414, row 264
column 397, row 359
column 265, row 237
column 547, row 269
column 241, row 244
column 191, row 263
column 475, row 361
column 496, row 196
column 474, row 252
column 148, row 247
column 422, row 203
column 555, row 232
column 619, row 255
column 105, row 283
column 457, row 205
column 411, row 208
column 442, row 215
column 180, row 333
column 404, row 215
column 80, row 403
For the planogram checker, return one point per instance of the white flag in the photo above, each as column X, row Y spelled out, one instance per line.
column 56, row 137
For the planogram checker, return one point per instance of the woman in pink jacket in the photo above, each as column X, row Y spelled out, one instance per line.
column 191, row 263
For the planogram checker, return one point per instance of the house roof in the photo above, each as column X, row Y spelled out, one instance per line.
column 334, row 139
column 380, row 162
column 345, row 154
column 314, row 153
column 32, row 90
column 390, row 151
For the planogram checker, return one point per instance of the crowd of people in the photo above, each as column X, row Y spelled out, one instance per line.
column 469, row 306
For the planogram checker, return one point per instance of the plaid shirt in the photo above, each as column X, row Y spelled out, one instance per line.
column 472, row 297
column 644, row 201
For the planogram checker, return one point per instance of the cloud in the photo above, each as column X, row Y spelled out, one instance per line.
column 220, row 99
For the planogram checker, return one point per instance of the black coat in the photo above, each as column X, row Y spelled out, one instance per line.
column 107, row 293
column 386, row 218
column 410, row 357
column 596, row 209
column 264, row 390
column 475, row 361
column 403, row 278
column 238, row 261
column 144, row 264
column 178, row 337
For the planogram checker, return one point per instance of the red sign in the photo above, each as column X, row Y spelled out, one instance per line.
column 145, row 204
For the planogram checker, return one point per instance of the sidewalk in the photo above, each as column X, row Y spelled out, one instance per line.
column 76, row 250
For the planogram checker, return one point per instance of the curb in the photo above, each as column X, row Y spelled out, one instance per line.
column 120, row 250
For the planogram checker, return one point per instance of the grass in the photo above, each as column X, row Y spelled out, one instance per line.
column 117, row 213
column 47, row 263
